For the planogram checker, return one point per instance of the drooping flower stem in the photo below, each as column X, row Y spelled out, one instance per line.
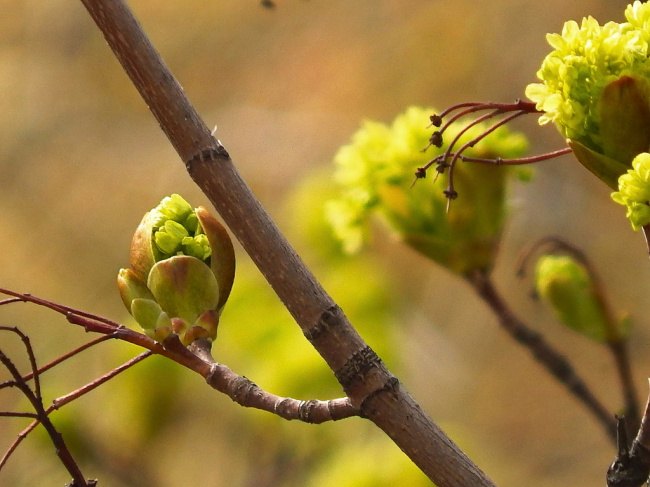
column 554, row 362
column 646, row 234
column 581, row 302
column 471, row 107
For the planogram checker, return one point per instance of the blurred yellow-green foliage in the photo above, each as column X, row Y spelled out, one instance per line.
column 81, row 160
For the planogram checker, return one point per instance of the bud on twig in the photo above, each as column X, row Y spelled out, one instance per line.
column 182, row 270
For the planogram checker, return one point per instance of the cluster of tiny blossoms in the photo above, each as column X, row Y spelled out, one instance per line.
column 634, row 191
column 586, row 58
column 596, row 89
column 376, row 172
column 177, row 230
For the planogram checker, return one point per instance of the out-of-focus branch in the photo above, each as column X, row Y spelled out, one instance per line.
column 364, row 377
column 616, row 341
column 34, row 397
column 68, row 398
column 554, row 362
column 621, row 357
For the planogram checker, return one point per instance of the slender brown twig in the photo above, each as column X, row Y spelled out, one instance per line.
column 68, row 398
column 198, row 359
column 17, row 414
column 34, row 398
column 32, row 359
column 66, row 356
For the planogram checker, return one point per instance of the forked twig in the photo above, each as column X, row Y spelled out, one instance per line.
column 218, row 376
column 198, row 359
column 63, row 400
column 631, row 467
column 36, row 401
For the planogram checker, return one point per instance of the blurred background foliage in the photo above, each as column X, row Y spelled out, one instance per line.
column 82, row 159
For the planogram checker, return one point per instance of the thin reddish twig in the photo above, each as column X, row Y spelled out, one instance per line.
column 61, row 448
column 515, row 110
column 68, row 355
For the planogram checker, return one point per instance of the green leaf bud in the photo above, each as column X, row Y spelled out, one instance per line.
column 173, row 208
column 174, row 228
column 209, row 321
column 144, row 253
column 222, row 257
column 204, row 327
column 179, row 326
column 185, row 288
column 169, row 237
column 187, row 261
column 198, row 247
column 151, row 317
column 566, row 285
column 163, row 328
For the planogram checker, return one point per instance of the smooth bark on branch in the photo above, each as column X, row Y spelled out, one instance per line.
column 365, row 379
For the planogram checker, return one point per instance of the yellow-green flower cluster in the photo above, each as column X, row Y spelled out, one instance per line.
column 587, row 58
column 375, row 173
column 177, row 230
column 634, row 191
